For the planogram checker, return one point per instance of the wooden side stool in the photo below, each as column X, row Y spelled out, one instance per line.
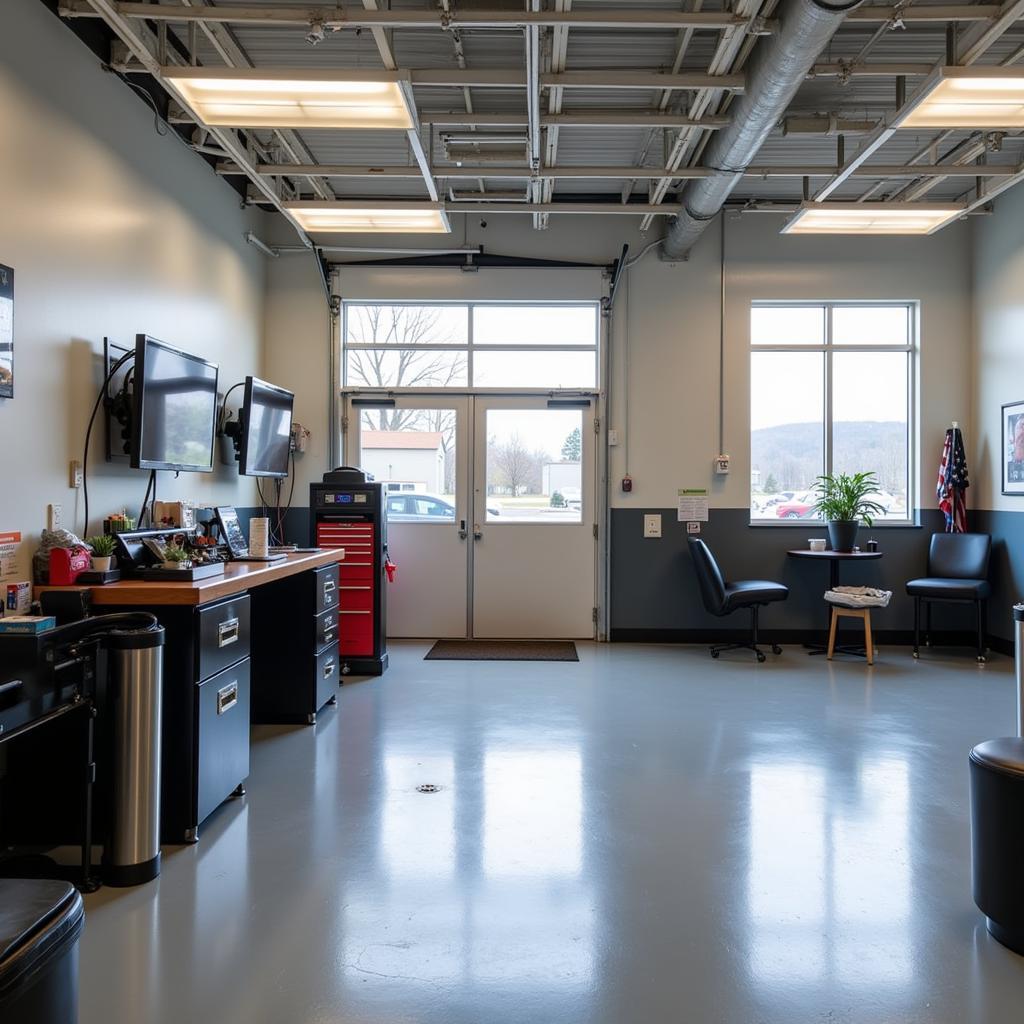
column 840, row 611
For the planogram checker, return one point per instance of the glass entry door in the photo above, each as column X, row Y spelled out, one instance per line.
column 491, row 505
column 534, row 506
column 417, row 447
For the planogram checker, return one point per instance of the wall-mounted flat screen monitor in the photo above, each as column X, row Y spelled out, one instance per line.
column 266, row 429
column 174, row 408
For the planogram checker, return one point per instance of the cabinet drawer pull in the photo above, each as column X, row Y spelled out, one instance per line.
column 354, row 611
column 227, row 698
column 329, row 669
column 329, row 587
column 227, row 632
column 328, row 638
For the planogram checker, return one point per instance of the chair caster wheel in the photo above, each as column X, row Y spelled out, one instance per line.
column 917, row 654
column 761, row 656
column 982, row 659
column 714, row 654
column 776, row 649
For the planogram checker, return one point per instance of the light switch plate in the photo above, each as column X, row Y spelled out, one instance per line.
column 652, row 525
column 613, row 438
column 55, row 517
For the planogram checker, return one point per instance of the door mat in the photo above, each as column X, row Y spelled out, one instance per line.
column 502, row 650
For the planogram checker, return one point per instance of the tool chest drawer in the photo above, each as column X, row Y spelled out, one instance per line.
column 223, row 722
column 223, row 635
column 327, row 676
column 326, row 629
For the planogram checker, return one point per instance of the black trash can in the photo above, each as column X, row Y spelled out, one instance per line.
column 997, row 837
column 40, row 922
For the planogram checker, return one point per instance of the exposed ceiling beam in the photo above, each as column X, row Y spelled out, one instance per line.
column 980, row 38
column 849, row 70
column 336, row 17
column 419, row 153
column 924, row 14
column 618, row 118
column 872, row 171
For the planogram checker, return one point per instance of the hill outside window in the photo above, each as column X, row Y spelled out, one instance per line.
column 831, row 391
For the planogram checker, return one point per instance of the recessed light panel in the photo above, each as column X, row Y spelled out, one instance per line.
column 871, row 218
column 296, row 98
column 369, row 219
column 969, row 98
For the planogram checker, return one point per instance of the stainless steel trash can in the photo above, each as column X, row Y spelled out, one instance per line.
column 132, row 855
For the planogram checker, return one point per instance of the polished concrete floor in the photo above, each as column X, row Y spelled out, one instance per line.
column 645, row 836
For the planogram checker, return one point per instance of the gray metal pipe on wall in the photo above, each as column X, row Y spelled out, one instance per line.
column 778, row 65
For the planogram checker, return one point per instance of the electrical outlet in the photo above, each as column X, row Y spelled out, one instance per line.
column 55, row 517
column 652, row 525
column 613, row 438
column 75, row 474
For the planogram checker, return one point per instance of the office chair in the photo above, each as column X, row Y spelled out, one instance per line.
column 722, row 598
column 957, row 572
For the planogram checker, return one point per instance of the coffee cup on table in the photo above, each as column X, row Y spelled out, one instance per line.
column 816, row 543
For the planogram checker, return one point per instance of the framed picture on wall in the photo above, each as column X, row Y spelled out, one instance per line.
column 1012, row 451
column 6, row 332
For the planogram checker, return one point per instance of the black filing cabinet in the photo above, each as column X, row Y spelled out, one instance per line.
column 295, row 647
column 205, row 729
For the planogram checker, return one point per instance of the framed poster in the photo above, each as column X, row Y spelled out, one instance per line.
column 6, row 332
column 1013, row 448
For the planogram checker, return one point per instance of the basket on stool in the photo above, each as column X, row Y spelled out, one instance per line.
column 855, row 603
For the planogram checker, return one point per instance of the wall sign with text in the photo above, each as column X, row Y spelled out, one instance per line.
column 6, row 332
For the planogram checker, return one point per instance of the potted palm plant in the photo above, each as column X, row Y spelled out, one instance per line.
column 102, row 551
column 844, row 503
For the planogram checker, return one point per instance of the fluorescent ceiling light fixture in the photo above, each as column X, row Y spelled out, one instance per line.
column 294, row 98
column 871, row 218
column 370, row 218
column 968, row 98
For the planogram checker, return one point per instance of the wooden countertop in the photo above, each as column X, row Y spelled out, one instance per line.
column 238, row 577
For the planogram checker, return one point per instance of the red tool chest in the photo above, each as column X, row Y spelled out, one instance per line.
column 348, row 512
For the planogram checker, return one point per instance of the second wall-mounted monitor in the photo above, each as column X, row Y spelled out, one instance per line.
column 266, row 422
column 174, row 411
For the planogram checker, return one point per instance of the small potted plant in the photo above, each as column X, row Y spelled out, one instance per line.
column 844, row 503
column 176, row 558
column 102, row 551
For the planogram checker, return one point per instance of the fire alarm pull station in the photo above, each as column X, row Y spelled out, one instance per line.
column 348, row 512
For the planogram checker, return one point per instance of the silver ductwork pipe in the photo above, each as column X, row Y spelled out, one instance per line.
column 777, row 66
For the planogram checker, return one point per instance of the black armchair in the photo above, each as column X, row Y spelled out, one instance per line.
column 958, row 572
column 722, row 598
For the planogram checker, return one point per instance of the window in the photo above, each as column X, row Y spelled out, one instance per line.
column 830, row 392
column 459, row 345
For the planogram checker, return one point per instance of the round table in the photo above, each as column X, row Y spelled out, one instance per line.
column 834, row 559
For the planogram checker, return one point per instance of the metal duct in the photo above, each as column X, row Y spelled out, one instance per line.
column 778, row 65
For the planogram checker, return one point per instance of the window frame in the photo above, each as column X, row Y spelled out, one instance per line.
column 829, row 349
column 469, row 347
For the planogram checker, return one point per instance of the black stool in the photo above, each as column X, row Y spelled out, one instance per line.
column 40, row 922
column 997, row 837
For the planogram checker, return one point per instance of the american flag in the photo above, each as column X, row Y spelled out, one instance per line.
column 953, row 482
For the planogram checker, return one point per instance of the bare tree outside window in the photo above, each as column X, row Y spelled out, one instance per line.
column 418, row 365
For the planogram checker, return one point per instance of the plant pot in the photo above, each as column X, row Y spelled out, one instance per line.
column 101, row 563
column 176, row 565
column 842, row 534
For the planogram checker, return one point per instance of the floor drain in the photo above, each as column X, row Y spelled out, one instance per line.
column 428, row 787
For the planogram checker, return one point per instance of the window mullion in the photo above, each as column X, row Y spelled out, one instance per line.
column 828, row 389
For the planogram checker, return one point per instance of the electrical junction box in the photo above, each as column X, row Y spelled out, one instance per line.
column 722, row 465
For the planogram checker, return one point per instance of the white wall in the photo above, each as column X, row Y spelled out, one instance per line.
column 112, row 230
column 667, row 318
column 999, row 340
